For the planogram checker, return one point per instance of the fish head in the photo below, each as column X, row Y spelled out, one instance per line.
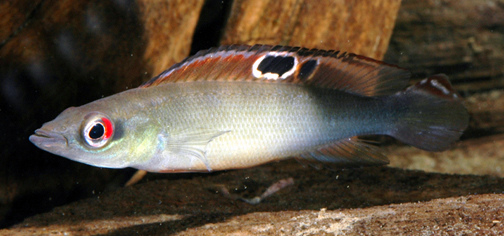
column 84, row 135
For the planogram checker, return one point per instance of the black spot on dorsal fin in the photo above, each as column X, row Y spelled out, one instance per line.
column 285, row 64
column 278, row 65
column 306, row 69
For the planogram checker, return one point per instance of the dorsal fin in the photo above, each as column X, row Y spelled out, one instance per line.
column 284, row 64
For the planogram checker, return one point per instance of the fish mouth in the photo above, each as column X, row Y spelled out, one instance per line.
column 43, row 138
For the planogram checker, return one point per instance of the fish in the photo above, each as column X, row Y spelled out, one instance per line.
column 240, row 106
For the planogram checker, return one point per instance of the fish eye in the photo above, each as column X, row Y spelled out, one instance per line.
column 98, row 130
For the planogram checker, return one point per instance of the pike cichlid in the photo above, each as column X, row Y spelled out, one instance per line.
column 241, row 106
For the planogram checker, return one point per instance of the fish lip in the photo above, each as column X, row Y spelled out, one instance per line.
column 44, row 138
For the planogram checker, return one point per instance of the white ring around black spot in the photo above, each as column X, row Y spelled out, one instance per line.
column 271, row 75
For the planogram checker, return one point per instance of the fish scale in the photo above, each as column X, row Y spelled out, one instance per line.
column 258, row 115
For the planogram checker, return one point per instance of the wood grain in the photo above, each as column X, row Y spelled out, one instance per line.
column 169, row 28
column 15, row 15
column 360, row 26
column 461, row 38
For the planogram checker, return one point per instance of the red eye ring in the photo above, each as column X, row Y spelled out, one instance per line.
column 109, row 129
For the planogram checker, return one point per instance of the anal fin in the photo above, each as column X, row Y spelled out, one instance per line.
column 344, row 153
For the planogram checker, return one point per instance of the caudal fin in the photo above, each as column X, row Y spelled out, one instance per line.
column 433, row 115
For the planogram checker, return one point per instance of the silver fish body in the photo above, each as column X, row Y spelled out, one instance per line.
column 204, row 125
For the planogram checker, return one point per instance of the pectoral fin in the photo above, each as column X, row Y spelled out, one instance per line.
column 139, row 174
column 345, row 153
column 192, row 143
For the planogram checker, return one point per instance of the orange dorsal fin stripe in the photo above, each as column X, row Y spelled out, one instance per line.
column 285, row 64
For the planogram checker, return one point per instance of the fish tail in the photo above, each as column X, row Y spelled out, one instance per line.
column 431, row 115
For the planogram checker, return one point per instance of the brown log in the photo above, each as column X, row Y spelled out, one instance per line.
column 169, row 27
column 462, row 38
column 481, row 156
column 487, row 113
column 15, row 15
column 468, row 215
column 471, row 215
column 372, row 201
column 359, row 26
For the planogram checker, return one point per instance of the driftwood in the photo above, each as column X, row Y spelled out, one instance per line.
column 15, row 15
column 169, row 27
column 372, row 201
column 487, row 113
column 472, row 215
column 462, row 38
column 363, row 27
column 479, row 156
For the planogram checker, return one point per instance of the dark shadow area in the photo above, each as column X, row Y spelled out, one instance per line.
column 65, row 54
column 211, row 25
column 62, row 54
column 172, row 227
